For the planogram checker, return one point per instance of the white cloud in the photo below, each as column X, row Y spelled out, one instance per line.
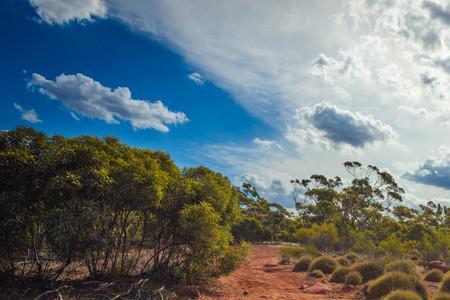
column 64, row 11
column 90, row 98
column 197, row 78
column 266, row 144
column 28, row 115
column 73, row 115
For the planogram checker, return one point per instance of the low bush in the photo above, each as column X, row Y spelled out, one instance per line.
column 369, row 269
column 402, row 295
column 353, row 278
column 324, row 263
column 338, row 275
column 441, row 296
column 392, row 281
column 343, row 261
column 291, row 251
column 352, row 257
column 284, row 260
column 445, row 285
column 403, row 266
column 434, row 275
column 303, row 264
column 316, row 274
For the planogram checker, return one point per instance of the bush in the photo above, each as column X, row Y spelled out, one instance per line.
column 402, row 295
column 321, row 236
column 284, row 260
column 292, row 251
column 338, row 276
column 303, row 264
column 445, row 285
column 343, row 261
column 403, row 266
column 434, row 275
column 369, row 269
column 441, row 296
column 392, row 281
column 316, row 274
column 353, row 278
column 352, row 257
column 324, row 263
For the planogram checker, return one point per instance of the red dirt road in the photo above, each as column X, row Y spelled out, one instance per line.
column 261, row 278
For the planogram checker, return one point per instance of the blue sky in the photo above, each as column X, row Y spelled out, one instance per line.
column 261, row 91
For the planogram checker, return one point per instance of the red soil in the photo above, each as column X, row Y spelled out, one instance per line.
column 262, row 278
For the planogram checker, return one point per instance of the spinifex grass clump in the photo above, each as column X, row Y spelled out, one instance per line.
column 434, row 275
column 343, row 261
column 338, row 275
column 441, row 296
column 352, row 257
column 392, row 281
column 402, row 295
column 303, row 264
column 353, row 278
column 316, row 274
column 369, row 269
column 445, row 285
column 324, row 263
column 403, row 266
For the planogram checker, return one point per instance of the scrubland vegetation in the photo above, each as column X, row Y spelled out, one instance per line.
column 84, row 207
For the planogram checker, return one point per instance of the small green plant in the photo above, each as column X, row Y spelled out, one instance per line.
column 369, row 269
column 316, row 274
column 324, row 263
column 352, row 257
column 392, row 281
column 353, row 278
column 441, row 296
column 303, row 264
column 403, row 266
column 291, row 251
column 343, row 261
column 338, row 275
column 434, row 275
column 402, row 295
column 445, row 285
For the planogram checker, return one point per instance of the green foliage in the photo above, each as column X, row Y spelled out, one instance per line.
column 392, row 281
column 434, row 275
column 369, row 269
column 441, row 296
column 321, row 236
column 394, row 246
column 445, row 284
column 343, row 261
column 339, row 274
column 292, row 251
column 106, row 205
column 404, row 266
column 302, row 264
column 402, row 295
column 353, row 278
column 324, row 263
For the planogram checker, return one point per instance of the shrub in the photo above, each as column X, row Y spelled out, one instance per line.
column 343, row 261
column 445, row 285
column 284, row 260
column 392, row 281
column 353, row 278
column 352, row 257
column 403, row 266
column 324, row 263
column 339, row 274
column 402, row 295
column 369, row 269
column 434, row 275
column 303, row 264
column 441, row 296
column 292, row 251
column 316, row 274
column 321, row 236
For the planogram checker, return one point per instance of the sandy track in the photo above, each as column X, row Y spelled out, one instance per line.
column 261, row 278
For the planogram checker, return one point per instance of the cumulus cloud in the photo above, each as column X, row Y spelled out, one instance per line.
column 437, row 11
column 266, row 144
column 197, row 78
column 434, row 172
column 60, row 12
column 327, row 122
column 28, row 115
column 90, row 98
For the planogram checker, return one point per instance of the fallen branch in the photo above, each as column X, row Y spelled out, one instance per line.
column 57, row 291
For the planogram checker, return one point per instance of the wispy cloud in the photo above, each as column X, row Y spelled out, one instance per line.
column 60, row 12
column 28, row 115
column 197, row 78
